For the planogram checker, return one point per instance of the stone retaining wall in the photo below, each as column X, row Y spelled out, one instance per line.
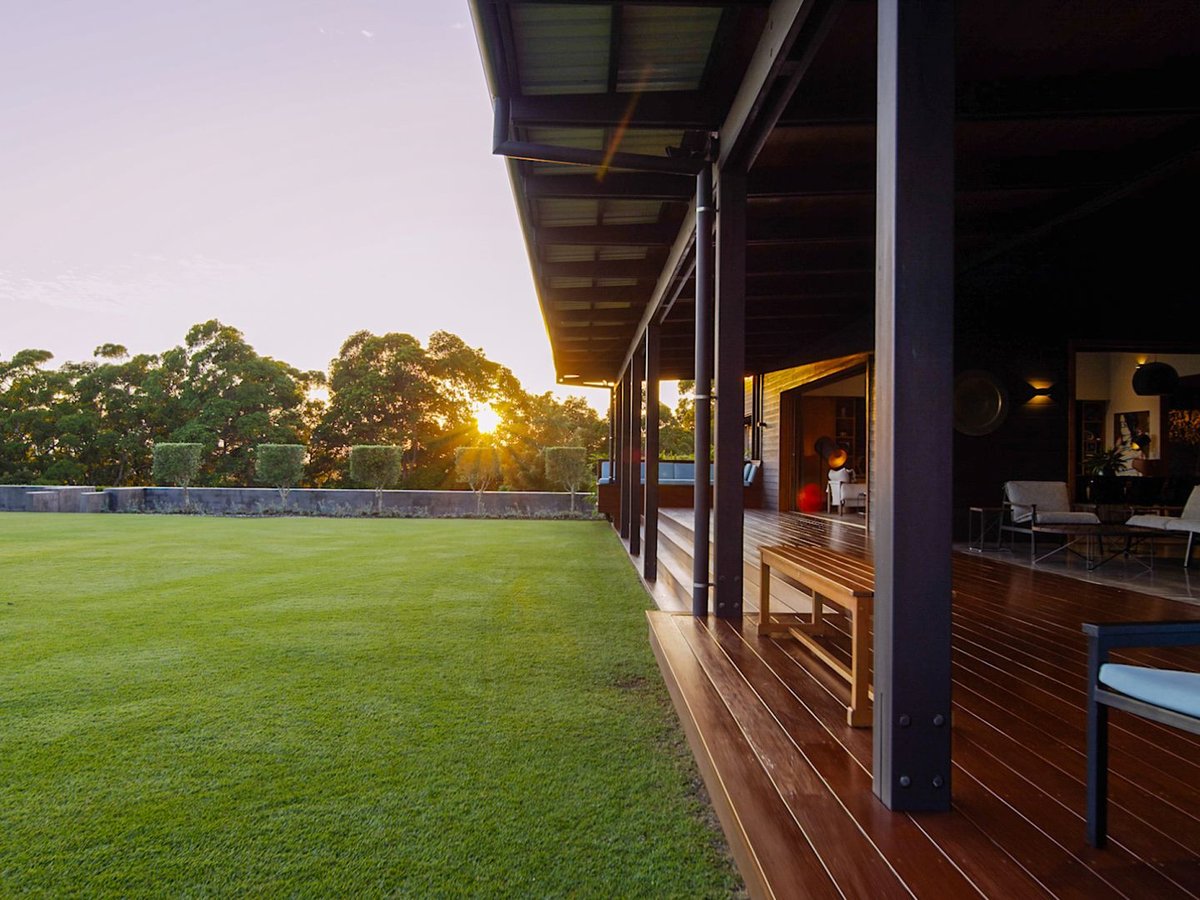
column 301, row 501
column 47, row 498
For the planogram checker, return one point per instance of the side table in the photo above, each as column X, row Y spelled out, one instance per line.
column 983, row 528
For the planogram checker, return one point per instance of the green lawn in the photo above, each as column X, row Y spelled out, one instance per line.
column 336, row 707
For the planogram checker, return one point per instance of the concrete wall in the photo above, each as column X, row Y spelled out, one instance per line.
column 258, row 501
column 47, row 498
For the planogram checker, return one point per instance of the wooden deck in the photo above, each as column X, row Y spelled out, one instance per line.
column 791, row 782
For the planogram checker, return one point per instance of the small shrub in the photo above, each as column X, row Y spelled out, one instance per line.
column 567, row 466
column 479, row 467
column 377, row 466
column 176, row 464
column 280, row 465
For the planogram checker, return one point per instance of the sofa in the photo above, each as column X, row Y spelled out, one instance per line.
column 676, row 480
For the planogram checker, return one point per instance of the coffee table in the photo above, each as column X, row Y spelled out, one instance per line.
column 1092, row 537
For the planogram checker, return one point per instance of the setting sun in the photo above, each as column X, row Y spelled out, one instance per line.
column 486, row 418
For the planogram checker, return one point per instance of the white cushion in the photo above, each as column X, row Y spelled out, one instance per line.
column 1191, row 509
column 1167, row 688
column 855, row 493
column 1047, row 496
column 1150, row 521
column 1189, row 521
column 1066, row 518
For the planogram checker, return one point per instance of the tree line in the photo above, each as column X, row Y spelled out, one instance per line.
column 96, row 422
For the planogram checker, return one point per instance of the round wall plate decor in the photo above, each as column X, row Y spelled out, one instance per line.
column 980, row 403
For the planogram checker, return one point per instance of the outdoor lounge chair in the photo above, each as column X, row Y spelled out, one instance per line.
column 1161, row 695
column 1187, row 523
column 1028, row 505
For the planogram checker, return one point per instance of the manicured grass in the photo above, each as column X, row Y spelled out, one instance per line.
column 315, row 707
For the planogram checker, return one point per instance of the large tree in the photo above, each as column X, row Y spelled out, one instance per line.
column 109, row 420
column 388, row 389
column 28, row 431
column 230, row 399
column 533, row 422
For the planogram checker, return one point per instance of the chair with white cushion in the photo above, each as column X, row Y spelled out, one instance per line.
column 1030, row 504
column 1168, row 696
column 1188, row 522
column 843, row 490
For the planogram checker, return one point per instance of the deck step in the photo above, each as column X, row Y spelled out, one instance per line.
column 786, row 595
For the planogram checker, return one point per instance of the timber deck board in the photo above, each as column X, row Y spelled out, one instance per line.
column 1016, row 828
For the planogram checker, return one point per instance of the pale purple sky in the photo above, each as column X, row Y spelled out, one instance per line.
column 299, row 169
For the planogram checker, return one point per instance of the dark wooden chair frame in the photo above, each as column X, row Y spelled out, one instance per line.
column 1103, row 637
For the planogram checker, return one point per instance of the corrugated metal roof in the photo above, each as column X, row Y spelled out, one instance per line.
column 569, row 281
column 621, row 252
column 562, row 49
column 650, row 141
column 568, row 253
column 563, row 211
column 632, row 212
column 665, row 48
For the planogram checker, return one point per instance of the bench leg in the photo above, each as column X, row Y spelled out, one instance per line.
column 859, row 714
column 764, row 595
column 1097, row 772
column 1187, row 551
column 818, row 615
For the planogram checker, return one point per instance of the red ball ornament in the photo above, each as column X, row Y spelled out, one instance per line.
column 812, row 498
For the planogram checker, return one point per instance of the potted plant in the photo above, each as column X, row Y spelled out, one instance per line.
column 1100, row 465
column 1106, row 462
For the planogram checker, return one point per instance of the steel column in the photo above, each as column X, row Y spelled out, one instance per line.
column 621, row 464
column 650, row 553
column 914, row 347
column 703, row 404
column 635, row 455
column 612, row 431
column 757, row 402
column 728, row 502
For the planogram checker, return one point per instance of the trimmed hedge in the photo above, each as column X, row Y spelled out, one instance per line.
column 377, row 466
column 567, row 466
column 280, row 465
column 176, row 464
column 478, row 467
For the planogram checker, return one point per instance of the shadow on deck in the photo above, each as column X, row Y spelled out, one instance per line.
column 791, row 782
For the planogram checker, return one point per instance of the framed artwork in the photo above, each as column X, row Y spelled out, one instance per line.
column 1128, row 424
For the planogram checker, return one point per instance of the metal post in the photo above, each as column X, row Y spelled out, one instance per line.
column 612, row 432
column 621, row 465
column 757, row 402
column 650, row 553
column 728, row 491
column 635, row 454
column 914, row 306
column 703, row 405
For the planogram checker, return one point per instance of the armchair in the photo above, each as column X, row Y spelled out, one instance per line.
column 1029, row 505
column 1161, row 695
column 842, row 491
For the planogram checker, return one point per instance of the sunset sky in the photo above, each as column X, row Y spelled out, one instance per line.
column 299, row 169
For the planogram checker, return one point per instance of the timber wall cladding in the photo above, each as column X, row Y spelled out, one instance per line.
column 775, row 383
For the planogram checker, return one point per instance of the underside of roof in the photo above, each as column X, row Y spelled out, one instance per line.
column 1062, row 122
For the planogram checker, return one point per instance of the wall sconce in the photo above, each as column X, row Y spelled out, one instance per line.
column 1035, row 392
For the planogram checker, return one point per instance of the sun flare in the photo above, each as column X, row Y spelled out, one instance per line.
column 486, row 418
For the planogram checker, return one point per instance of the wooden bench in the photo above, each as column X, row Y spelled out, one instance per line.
column 837, row 580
